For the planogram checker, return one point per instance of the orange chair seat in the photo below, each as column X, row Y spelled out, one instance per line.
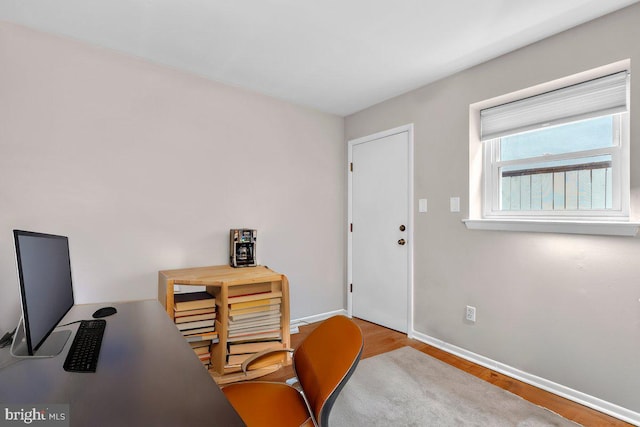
column 268, row 404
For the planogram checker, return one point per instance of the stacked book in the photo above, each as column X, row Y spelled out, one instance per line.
column 254, row 325
column 194, row 316
column 240, row 352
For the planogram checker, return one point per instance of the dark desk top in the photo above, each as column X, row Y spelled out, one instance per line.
column 147, row 375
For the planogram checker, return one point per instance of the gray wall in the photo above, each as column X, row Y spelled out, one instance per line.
column 563, row 307
column 147, row 168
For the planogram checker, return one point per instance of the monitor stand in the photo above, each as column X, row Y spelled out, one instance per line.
column 51, row 347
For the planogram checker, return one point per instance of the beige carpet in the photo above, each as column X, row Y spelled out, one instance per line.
column 406, row 387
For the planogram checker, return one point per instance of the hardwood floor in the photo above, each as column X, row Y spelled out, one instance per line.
column 378, row 340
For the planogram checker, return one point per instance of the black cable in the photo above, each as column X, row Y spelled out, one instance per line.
column 7, row 339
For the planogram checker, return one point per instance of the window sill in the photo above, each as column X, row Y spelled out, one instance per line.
column 554, row 226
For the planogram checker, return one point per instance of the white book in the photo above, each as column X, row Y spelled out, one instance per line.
column 194, row 325
column 256, row 337
column 195, row 318
column 255, row 329
column 213, row 337
column 254, row 319
column 269, row 323
column 198, row 331
column 236, row 317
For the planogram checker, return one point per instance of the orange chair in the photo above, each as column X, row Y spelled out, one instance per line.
column 323, row 363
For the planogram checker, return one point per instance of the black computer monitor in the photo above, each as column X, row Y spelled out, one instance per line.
column 44, row 272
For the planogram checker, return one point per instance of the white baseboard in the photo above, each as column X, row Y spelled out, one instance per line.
column 295, row 323
column 566, row 392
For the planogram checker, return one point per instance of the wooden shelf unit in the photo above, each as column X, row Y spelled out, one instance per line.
column 223, row 282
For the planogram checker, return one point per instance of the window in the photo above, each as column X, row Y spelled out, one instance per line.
column 564, row 170
column 557, row 152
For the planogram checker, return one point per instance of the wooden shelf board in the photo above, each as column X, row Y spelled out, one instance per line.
column 240, row 376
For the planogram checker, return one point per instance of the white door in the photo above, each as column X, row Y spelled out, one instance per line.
column 380, row 228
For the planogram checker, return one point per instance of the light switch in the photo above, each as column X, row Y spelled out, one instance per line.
column 422, row 205
column 454, row 204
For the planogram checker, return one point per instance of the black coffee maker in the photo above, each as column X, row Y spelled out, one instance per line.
column 242, row 247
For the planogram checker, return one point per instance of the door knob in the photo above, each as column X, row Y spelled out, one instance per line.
column 401, row 242
column 402, row 227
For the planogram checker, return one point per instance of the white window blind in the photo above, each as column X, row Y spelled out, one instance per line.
column 598, row 97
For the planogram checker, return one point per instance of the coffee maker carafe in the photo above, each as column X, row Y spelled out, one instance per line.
column 242, row 247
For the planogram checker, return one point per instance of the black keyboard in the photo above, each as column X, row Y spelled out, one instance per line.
column 85, row 349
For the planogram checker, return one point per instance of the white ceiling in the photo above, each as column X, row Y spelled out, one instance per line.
column 338, row 56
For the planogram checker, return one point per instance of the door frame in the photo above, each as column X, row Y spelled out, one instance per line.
column 351, row 143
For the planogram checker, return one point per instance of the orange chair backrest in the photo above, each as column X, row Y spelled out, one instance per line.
column 325, row 360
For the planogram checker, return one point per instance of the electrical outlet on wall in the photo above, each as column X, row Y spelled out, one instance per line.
column 454, row 204
column 471, row 314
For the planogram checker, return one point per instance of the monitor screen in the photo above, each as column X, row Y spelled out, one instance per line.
column 44, row 272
